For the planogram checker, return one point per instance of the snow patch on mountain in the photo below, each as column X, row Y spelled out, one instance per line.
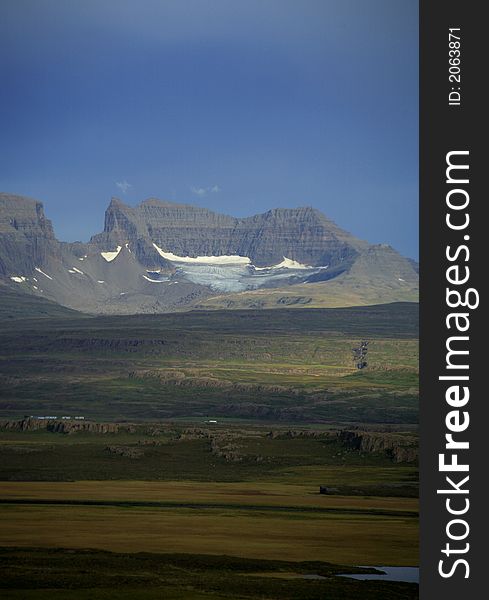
column 155, row 280
column 231, row 273
column 204, row 260
column 110, row 256
column 43, row 273
column 240, row 277
column 288, row 263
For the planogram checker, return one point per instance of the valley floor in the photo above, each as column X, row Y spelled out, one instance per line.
column 196, row 472
column 252, row 520
column 238, row 522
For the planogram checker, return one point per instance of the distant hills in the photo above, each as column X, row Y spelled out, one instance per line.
column 17, row 305
column 161, row 257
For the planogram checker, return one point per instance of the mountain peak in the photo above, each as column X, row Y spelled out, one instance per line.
column 13, row 203
column 152, row 201
column 21, row 215
column 26, row 236
column 114, row 201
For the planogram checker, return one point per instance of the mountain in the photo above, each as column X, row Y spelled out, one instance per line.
column 301, row 234
column 161, row 256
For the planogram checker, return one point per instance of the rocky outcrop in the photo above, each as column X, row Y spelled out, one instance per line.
column 301, row 433
column 125, row 451
column 399, row 447
column 180, row 379
column 65, row 426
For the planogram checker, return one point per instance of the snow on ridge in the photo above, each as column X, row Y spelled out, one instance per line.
column 288, row 263
column 43, row 273
column 75, row 270
column 234, row 259
column 155, row 280
column 109, row 256
column 18, row 279
column 204, row 260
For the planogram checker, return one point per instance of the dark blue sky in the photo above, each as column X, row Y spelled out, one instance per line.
column 236, row 105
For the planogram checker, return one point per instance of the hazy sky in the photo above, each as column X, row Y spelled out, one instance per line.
column 236, row 105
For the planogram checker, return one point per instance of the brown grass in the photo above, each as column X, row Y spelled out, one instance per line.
column 256, row 493
column 290, row 535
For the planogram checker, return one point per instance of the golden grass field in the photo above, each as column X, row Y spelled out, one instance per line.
column 255, row 493
column 358, row 530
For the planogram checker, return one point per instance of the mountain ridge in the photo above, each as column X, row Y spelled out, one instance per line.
column 265, row 238
column 161, row 256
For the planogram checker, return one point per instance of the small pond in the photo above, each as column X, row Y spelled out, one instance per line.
column 408, row 574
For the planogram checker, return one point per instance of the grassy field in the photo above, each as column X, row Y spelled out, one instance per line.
column 268, row 366
column 341, row 533
column 154, row 501
column 190, row 489
column 249, row 522
column 41, row 574
column 221, row 453
column 262, row 494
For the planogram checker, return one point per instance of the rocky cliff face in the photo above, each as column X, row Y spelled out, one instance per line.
column 65, row 426
column 144, row 260
column 24, row 216
column 301, row 234
column 26, row 236
column 400, row 448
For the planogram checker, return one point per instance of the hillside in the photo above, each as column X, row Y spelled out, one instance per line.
column 16, row 305
column 284, row 366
